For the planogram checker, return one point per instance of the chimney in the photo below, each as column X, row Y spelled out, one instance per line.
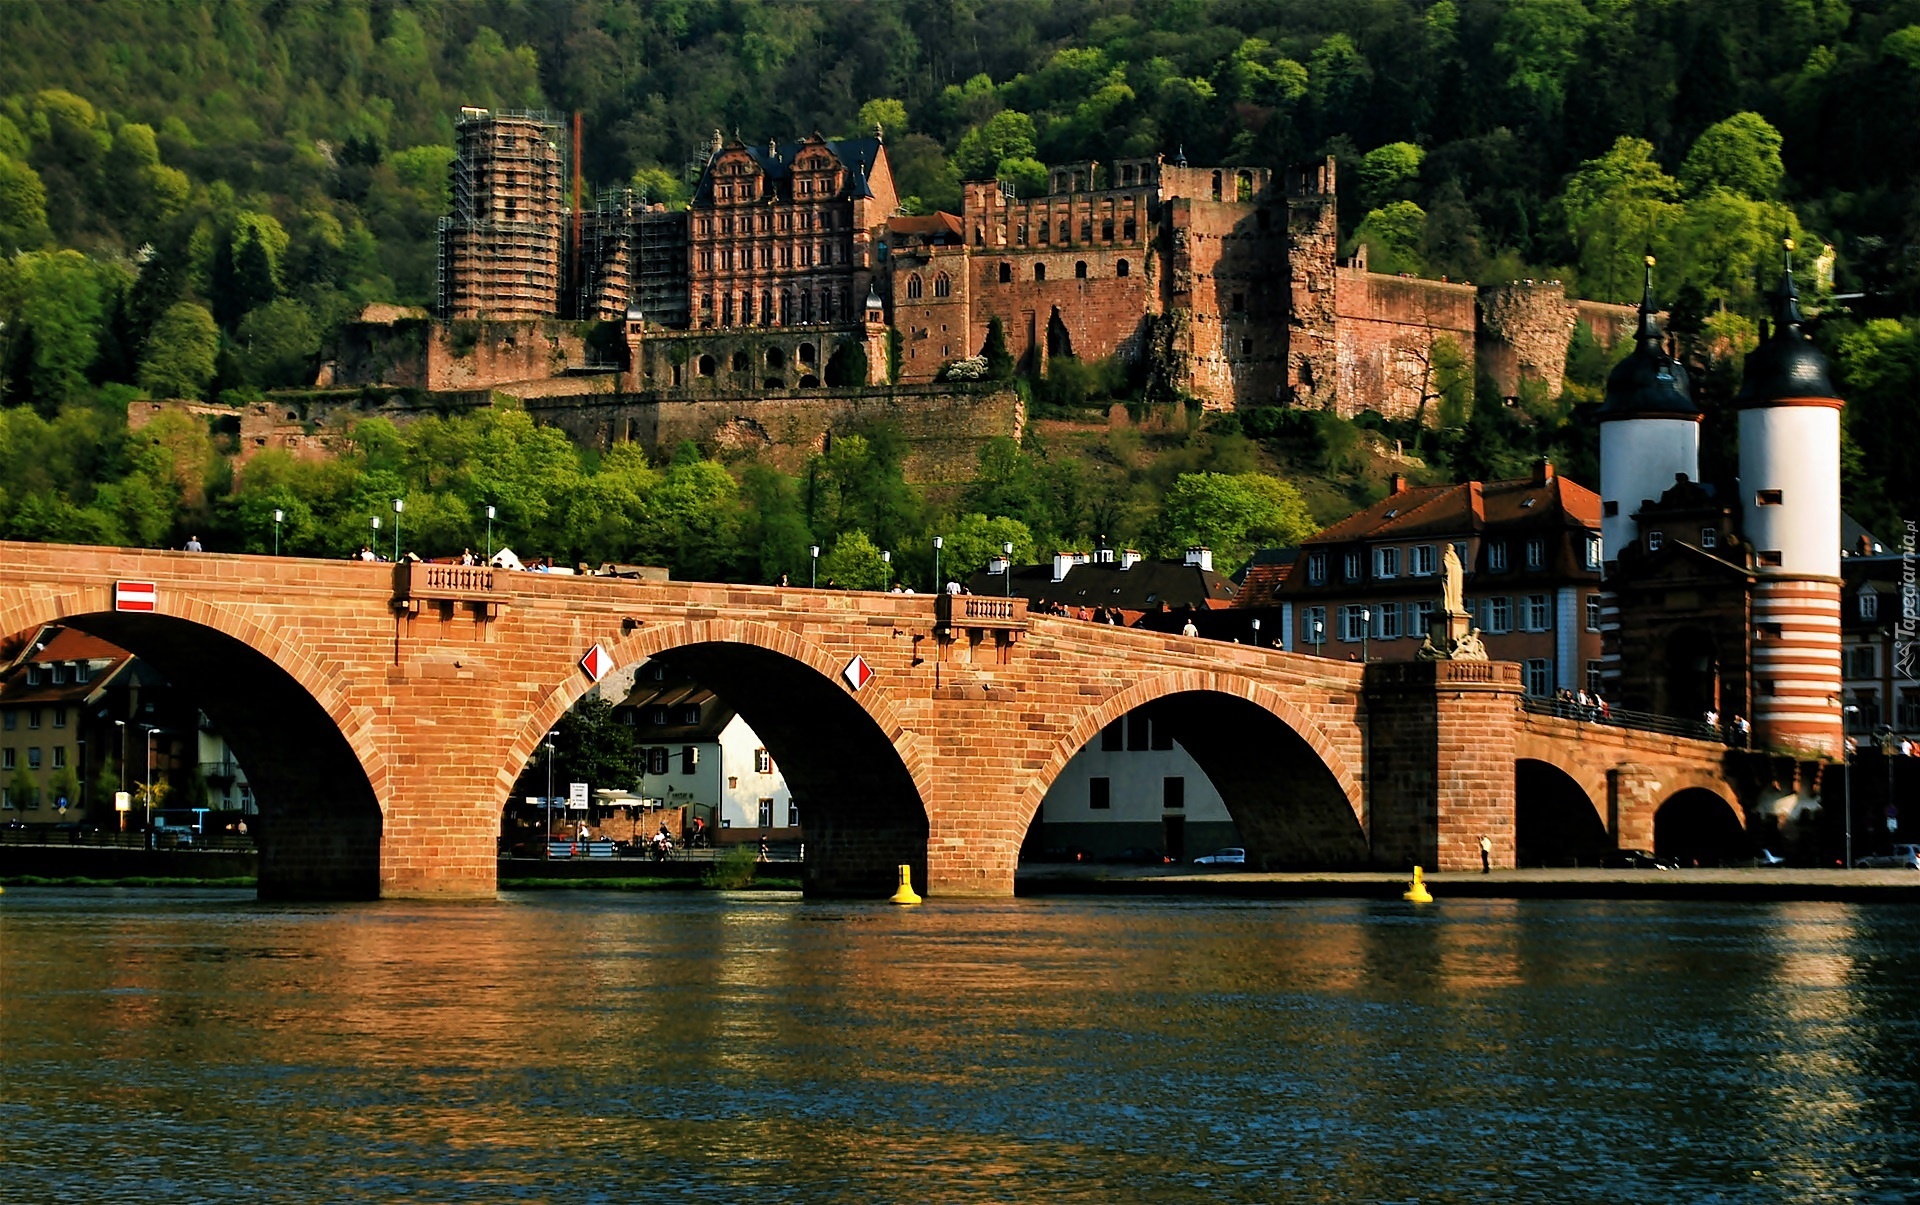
column 1397, row 484
column 1063, row 562
column 1542, row 471
column 1128, row 559
column 1200, row 558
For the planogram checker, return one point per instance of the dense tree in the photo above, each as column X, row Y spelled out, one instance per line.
column 1232, row 515
column 178, row 360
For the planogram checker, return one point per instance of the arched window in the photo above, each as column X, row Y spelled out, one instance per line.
column 1039, row 271
column 1080, row 269
column 1243, row 186
column 943, row 285
column 1216, row 186
column 739, row 361
column 913, row 286
column 807, row 353
column 707, row 366
column 1123, row 268
column 1064, row 227
column 1006, row 272
column 776, row 358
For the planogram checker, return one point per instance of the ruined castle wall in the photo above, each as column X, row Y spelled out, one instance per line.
column 737, row 361
column 935, row 326
column 1525, row 327
column 459, row 355
column 1386, row 329
column 1225, row 262
column 1312, row 270
column 1609, row 323
column 945, row 427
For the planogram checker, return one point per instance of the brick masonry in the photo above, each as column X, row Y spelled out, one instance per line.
column 384, row 727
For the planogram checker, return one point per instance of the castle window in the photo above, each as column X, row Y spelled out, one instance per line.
column 913, row 287
column 1709, row 538
column 1243, row 186
column 740, row 361
column 1128, row 229
column 706, row 261
column 1123, row 268
column 707, row 366
column 786, row 257
column 766, row 257
column 1086, row 230
column 1767, row 498
column 776, row 358
column 1080, row 269
column 726, row 310
column 943, row 285
column 1045, row 229
column 1239, row 303
column 807, row 353
column 1006, row 272
column 1246, row 346
column 746, row 309
column 1869, row 603
column 1126, row 174
column 1106, row 230
column 786, row 223
column 726, row 224
column 1064, row 230
column 1039, row 271
column 1020, row 234
column 1216, row 186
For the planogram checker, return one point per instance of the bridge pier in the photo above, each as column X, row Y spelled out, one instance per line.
column 1440, row 762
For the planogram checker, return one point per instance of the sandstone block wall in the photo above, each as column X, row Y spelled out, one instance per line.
column 1387, row 327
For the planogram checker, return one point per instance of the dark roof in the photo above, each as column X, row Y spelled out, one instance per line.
column 1685, row 496
column 675, row 693
column 1105, row 584
column 1649, row 383
column 857, row 155
column 1786, row 364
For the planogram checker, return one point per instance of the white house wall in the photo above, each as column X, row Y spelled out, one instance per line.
column 1136, row 817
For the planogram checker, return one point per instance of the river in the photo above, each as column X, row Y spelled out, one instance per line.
column 167, row 1046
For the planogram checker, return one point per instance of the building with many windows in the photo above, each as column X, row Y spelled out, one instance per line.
column 1133, row 788
column 693, row 751
column 1369, row 586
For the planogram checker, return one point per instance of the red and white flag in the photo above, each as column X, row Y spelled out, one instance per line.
column 135, row 596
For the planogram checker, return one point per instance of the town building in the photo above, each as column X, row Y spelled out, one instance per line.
column 1368, row 586
column 1134, row 788
column 1880, row 643
column 693, row 751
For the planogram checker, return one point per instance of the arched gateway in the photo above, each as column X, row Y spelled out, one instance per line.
column 384, row 712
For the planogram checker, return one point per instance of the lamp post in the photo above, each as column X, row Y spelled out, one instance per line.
column 279, row 516
column 489, row 535
column 1256, row 631
column 1008, row 549
column 813, row 553
column 886, row 558
column 549, row 846
column 399, row 504
column 1850, row 710
column 1884, row 734
column 376, row 537
column 122, row 726
column 149, row 801
column 1366, row 629
column 939, row 542
column 1318, row 631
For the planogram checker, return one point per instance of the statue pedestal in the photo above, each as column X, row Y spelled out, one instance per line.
column 1452, row 637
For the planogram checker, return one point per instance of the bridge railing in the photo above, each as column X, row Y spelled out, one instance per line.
column 1621, row 717
column 979, row 611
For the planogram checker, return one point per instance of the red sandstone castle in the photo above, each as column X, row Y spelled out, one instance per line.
column 794, row 268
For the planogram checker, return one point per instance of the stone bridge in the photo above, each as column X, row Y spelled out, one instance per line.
column 384, row 713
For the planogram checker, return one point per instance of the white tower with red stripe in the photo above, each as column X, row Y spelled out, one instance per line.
column 1790, row 514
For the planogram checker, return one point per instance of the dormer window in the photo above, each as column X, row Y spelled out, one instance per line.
column 1709, row 538
column 33, row 675
column 1869, row 603
column 690, row 714
column 1353, row 566
column 1497, row 556
column 59, row 674
column 1316, row 569
column 1386, row 562
column 1536, row 554
column 1593, row 552
column 1654, row 540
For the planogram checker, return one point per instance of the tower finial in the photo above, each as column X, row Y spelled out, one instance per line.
column 1649, row 328
column 1786, row 298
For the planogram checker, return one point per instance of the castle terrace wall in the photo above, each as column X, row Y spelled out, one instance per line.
column 416, row 353
column 945, row 426
column 1102, row 314
column 1386, row 328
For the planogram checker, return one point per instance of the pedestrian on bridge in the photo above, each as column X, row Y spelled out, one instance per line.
column 193, row 544
column 1486, row 854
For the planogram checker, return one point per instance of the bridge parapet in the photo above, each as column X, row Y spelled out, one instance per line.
column 982, row 611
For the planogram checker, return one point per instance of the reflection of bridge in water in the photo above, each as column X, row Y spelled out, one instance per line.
column 384, row 712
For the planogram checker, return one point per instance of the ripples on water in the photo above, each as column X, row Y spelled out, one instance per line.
column 201, row 1047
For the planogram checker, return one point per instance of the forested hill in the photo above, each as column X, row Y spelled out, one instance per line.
column 240, row 176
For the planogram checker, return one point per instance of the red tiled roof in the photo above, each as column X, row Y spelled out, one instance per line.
column 931, row 224
column 1472, row 506
column 69, row 644
column 1261, row 584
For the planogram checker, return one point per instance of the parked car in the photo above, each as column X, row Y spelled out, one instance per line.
column 1138, row 856
column 1636, row 859
column 1903, row 857
column 1231, row 856
column 1767, row 857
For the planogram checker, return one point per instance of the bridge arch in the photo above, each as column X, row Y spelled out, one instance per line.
column 1556, row 819
column 859, row 778
column 1292, row 795
column 316, row 771
column 1700, row 824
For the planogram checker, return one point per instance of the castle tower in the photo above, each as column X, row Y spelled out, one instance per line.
column 501, row 248
column 1649, row 438
column 1790, row 513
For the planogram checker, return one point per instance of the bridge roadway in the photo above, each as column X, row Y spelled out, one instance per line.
column 384, row 713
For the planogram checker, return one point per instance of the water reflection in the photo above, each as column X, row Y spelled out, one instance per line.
column 178, row 1047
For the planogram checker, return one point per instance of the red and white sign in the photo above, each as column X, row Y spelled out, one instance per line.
column 135, row 596
column 597, row 662
column 858, row 673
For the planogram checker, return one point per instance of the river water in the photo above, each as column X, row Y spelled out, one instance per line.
column 197, row 1046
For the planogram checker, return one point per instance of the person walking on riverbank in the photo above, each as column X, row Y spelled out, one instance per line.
column 1486, row 854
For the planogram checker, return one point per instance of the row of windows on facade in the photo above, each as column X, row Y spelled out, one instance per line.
column 58, row 672
column 1080, row 270
column 1865, row 714
column 10, row 719
column 657, row 759
column 809, row 219
column 749, row 190
column 806, row 255
column 793, row 308
column 1423, row 560
column 1173, row 793
column 1496, row 616
column 1043, row 231
column 9, row 757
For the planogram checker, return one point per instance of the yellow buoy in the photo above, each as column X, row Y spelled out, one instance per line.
column 906, row 893
column 1418, row 892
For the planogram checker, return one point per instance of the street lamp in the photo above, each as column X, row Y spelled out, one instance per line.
column 939, row 542
column 399, row 505
column 489, row 535
column 1256, row 631
column 1318, row 631
column 813, row 580
column 549, row 852
column 1366, row 629
column 1847, row 748
column 150, row 731
column 279, row 516
column 376, row 538
column 1008, row 549
column 1884, row 734
column 122, row 726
